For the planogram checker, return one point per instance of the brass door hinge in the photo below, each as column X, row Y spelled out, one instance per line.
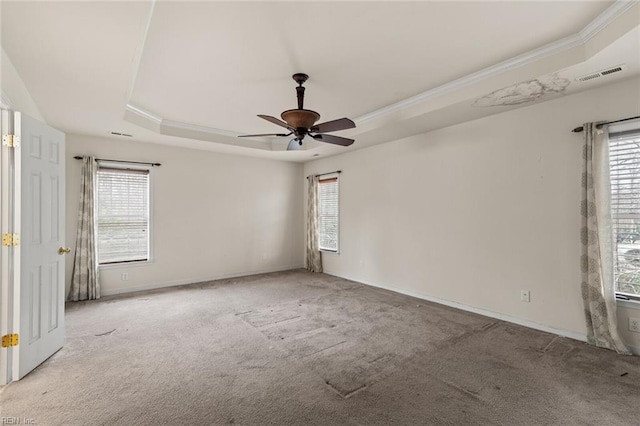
column 10, row 140
column 9, row 340
column 10, row 240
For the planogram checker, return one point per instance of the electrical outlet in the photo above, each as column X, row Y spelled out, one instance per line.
column 525, row 296
column 634, row 324
column 124, row 276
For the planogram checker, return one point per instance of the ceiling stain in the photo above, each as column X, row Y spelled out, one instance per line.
column 525, row 91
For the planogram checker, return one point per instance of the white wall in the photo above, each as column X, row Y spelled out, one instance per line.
column 14, row 92
column 476, row 212
column 214, row 215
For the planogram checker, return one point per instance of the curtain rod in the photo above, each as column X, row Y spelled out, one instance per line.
column 581, row 128
column 80, row 157
column 324, row 174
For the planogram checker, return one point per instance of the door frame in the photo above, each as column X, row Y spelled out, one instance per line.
column 5, row 306
column 10, row 189
column 17, row 250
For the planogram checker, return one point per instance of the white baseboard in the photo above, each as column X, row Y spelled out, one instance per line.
column 634, row 349
column 195, row 280
column 485, row 312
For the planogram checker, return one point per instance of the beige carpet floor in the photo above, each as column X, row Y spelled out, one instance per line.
column 295, row 348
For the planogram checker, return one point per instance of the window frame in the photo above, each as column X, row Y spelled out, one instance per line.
column 620, row 132
column 330, row 176
column 110, row 164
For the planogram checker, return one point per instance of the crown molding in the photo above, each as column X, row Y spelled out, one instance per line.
column 155, row 119
column 161, row 126
column 197, row 128
column 579, row 39
column 605, row 18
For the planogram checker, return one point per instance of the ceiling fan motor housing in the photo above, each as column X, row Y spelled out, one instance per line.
column 297, row 118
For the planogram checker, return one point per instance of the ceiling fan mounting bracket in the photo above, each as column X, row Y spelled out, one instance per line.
column 300, row 78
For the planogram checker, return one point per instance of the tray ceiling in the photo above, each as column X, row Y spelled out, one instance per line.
column 196, row 74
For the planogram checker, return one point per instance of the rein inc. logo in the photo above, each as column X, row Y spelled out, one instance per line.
column 17, row 421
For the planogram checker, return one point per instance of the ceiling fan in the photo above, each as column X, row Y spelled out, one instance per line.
column 301, row 122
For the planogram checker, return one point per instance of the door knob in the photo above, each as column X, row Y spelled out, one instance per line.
column 63, row 250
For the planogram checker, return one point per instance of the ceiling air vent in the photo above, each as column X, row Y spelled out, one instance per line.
column 602, row 73
column 121, row 134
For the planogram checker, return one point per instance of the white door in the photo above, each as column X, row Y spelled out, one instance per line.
column 41, row 167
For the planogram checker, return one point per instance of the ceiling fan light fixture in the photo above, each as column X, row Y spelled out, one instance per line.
column 300, row 118
column 294, row 144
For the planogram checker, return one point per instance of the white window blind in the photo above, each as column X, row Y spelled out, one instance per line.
column 122, row 215
column 328, row 208
column 624, row 158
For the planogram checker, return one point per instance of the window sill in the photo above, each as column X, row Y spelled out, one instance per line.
column 123, row 265
column 330, row 251
column 629, row 304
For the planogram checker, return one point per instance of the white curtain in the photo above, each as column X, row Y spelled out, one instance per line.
column 84, row 279
column 598, row 292
column 314, row 258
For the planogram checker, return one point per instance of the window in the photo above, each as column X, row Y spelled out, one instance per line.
column 122, row 215
column 624, row 159
column 328, row 212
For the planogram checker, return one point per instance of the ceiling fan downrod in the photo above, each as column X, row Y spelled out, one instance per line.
column 300, row 119
column 300, row 78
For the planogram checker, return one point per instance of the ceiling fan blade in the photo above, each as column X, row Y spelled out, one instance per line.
column 265, row 134
column 275, row 121
column 334, row 125
column 294, row 144
column 337, row 140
